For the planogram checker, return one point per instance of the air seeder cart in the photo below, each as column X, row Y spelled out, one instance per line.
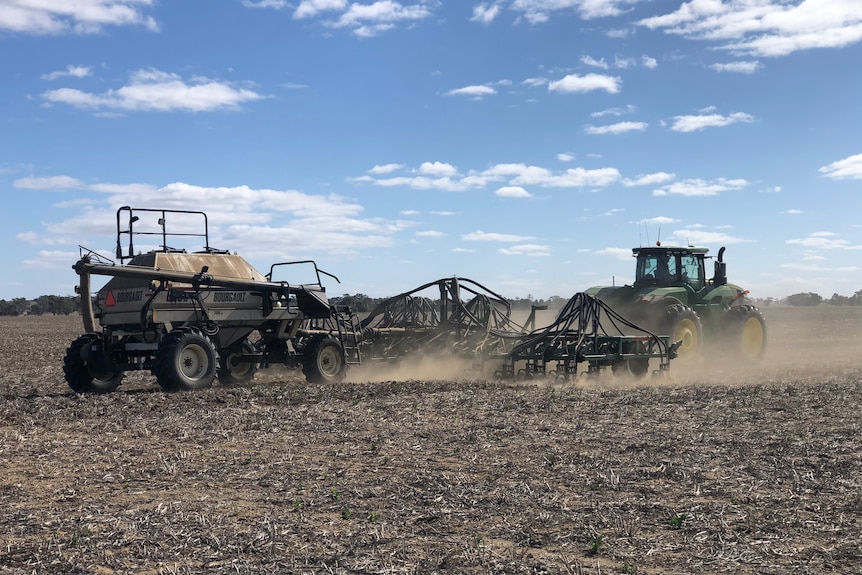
column 189, row 317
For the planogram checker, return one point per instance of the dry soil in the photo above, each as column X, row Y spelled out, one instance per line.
column 721, row 468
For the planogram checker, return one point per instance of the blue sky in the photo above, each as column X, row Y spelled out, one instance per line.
column 525, row 144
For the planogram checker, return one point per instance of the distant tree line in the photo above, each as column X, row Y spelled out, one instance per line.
column 65, row 305
column 43, row 305
column 809, row 299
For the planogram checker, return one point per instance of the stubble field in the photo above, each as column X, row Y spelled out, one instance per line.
column 719, row 469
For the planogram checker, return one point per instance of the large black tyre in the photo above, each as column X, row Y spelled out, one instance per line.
column 683, row 325
column 231, row 371
column 89, row 372
column 744, row 333
column 324, row 361
column 185, row 360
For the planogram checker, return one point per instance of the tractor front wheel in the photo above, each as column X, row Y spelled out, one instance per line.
column 683, row 326
column 185, row 360
column 744, row 332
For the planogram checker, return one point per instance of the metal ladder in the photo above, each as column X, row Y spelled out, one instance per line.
column 348, row 333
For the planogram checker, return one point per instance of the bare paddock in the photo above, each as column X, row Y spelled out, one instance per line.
column 720, row 469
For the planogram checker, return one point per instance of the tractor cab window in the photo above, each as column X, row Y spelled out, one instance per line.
column 657, row 269
column 692, row 271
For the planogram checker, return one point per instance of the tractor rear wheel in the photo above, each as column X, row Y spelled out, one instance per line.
column 233, row 371
column 744, row 332
column 324, row 360
column 89, row 371
column 683, row 325
column 185, row 360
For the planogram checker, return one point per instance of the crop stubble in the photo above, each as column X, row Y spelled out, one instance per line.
column 721, row 469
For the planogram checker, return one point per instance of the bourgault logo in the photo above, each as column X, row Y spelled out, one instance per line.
column 123, row 297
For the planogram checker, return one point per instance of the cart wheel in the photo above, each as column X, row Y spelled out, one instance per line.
column 185, row 360
column 324, row 360
column 89, row 371
column 231, row 370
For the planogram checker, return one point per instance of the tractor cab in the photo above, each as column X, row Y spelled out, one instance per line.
column 670, row 267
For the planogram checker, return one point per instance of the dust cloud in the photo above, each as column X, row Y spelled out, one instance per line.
column 803, row 344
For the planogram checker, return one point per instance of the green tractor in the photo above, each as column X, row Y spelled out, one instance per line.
column 671, row 295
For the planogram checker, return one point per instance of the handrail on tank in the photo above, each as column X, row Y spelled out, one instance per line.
column 162, row 221
column 317, row 271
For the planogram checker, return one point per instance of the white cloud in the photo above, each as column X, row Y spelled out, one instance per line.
column 623, row 63
column 364, row 20
column 696, row 123
column 649, row 62
column 273, row 4
column 265, row 223
column 624, row 254
column 531, row 250
column 792, row 212
column 370, row 19
column 817, row 269
column 437, row 169
column 849, row 167
column 618, row 128
column 485, row 13
column 534, row 82
column 47, row 183
column 590, row 61
column 565, row 157
column 746, row 67
column 521, row 174
column 699, row 187
column 649, row 179
column 658, row 220
column 50, row 259
column 698, row 237
column 385, row 168
column 538, row 11
column 822, row 241
column 474, row 91
column 574, row 83
column 430, row 234
column 81, row 17
column 513, row 192
column 768, row 28
column 69, row 72
column 480, row 236
column 441, row 176
column 425, row 183
column 310, row 8
column 629, row 109
column 154, row 90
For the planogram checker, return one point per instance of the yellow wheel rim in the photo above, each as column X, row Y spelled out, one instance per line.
column 686, row 330
column 752, row 338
